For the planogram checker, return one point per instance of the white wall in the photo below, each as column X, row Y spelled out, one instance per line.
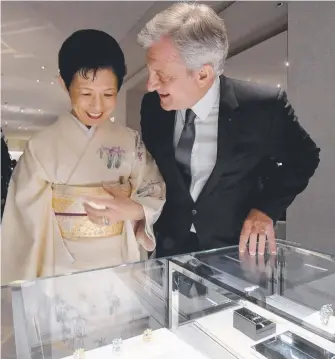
column 134, row 100
column 311, row 82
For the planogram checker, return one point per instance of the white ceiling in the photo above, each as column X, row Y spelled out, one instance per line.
column 33, row 31
column 264, row 63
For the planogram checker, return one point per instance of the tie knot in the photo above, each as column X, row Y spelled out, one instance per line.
column 189, row 116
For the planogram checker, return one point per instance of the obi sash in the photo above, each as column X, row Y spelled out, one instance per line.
column 67, row 203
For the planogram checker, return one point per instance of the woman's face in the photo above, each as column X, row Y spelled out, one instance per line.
column 93, row 99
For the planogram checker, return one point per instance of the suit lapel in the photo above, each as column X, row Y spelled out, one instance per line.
column 227, row 129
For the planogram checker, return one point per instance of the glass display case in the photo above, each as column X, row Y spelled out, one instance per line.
column 213, row 304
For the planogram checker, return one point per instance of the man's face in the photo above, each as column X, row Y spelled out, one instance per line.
column 177, row 87
column 93, row 99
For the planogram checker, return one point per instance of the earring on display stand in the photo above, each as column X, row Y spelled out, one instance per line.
column 117, row 346
column 147, row 335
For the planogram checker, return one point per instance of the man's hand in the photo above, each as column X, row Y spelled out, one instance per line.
column 257, row 225
column 117, row 207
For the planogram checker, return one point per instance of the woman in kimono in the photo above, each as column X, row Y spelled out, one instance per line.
column 85, row 194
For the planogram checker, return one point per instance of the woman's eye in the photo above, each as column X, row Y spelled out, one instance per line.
column 86, row 94
column 109, row 95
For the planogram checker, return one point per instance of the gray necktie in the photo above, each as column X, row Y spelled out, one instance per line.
column 184, row 148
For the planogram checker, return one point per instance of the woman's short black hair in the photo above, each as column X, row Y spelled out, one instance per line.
column 90, row 50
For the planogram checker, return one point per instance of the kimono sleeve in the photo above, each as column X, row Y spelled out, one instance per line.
column 26, row 220
column 149, row 191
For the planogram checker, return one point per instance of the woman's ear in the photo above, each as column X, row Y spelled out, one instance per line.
column 62, row 83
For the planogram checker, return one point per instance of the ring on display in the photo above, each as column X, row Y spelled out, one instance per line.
column 326, row 312
column 79, row 354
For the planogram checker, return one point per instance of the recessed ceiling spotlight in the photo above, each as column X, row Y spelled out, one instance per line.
column 26, row 129
column 287, row 64
column 37, row 80
column 21, row 109
column 6, row 123
column 39, row 110
column 43, row 67
column 278, row 85
column 52, row 83
column 19, row 127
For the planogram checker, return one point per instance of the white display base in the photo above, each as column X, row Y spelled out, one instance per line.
column 220, row 327
column 314, row 319
column 164, row 345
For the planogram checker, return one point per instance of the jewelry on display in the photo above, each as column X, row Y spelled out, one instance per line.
column 117, row 345
column 79, row 354
column 147, row 335
column 326, row 312
column 105, row 221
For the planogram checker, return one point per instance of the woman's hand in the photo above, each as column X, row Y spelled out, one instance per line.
column 117, row 207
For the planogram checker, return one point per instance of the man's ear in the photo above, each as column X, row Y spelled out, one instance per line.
column 205, row 75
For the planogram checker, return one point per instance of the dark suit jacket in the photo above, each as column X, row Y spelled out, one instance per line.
column 257, row 131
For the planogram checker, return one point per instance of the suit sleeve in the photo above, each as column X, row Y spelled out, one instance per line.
column 297, row 157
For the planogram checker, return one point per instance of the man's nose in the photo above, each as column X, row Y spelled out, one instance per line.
column 152, row 84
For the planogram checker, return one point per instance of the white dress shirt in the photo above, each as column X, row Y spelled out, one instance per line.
column 204, row 150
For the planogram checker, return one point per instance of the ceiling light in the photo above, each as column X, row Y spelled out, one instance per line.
column 278, row 85
column 287, row 64
column 19, row 127
column 52, row 83
column 37, row 80
column 39, row 110
column 6, row 123
column 21, row 109
column 43, row 68
column 26, row 129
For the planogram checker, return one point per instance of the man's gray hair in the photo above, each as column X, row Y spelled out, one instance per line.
column 198, row 33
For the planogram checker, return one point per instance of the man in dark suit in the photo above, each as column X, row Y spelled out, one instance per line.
column 232, row 153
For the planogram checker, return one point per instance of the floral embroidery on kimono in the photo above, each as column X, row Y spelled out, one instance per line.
column 139, row 146
column 150, row 188
column 113, row 156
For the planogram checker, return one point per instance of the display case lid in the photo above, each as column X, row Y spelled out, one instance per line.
column 296, row 283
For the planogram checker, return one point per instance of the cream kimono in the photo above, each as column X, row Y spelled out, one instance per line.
column 45, row 230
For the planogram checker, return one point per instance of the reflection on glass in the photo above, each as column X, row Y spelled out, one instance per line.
column 291, row 346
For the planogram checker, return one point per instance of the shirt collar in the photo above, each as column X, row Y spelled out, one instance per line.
column 203, row 107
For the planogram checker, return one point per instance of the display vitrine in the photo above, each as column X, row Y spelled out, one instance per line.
column 213, row 304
